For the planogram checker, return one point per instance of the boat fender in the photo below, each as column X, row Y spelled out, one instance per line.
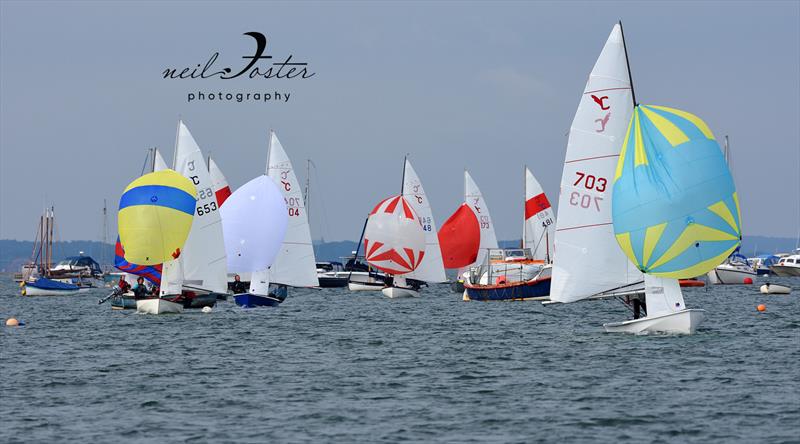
column 748, row 281
column 500, row 280
column 206, row 309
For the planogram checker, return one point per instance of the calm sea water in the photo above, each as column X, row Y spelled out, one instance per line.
column 329, row 365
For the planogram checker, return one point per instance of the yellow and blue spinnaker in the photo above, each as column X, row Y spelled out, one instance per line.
column 675, row 209
column 155, row 216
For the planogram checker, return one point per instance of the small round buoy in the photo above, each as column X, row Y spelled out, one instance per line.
column 761, row 307
column 748, row 281
column 206, row 309
column 11, row 322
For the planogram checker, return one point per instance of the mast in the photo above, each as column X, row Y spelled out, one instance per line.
column 726, row 151
column 50, row 240
column 175, row 155
column 105, row 234
column 628, row 63
column 403, row 179
column 306, row 191
column 269, row 147
column 153, row 165
column 358, row 247
column 524, row 203
column 40, row 238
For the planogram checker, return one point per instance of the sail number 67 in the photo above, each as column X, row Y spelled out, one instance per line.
column 577, row 199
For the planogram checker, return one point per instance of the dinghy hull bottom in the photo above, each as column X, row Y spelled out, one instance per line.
column 684, row 322
column 399, row 292
column 48, row 287
column 123, row 302
column 769, row 288
column 247, row 300
column 158, row 306
column 363, row 286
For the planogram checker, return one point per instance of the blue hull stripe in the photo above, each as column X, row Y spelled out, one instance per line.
column 248, row 300
column 509, row 292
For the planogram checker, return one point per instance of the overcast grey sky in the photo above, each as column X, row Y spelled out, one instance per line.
column 483, row 86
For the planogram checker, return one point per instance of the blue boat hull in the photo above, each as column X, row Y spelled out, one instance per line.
column 247, row 300
column 517, row 291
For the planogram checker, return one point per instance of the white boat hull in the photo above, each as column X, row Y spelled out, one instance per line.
column 158, row 306
column 362, row 286
column 730, row 275
column 785, row 270
column 399, row 292
column 684, row 321
column 34, row 291
column 775, row 289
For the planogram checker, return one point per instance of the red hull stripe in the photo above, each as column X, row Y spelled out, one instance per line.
column 536, row 204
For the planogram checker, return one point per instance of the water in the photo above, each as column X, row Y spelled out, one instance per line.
column 330, row 365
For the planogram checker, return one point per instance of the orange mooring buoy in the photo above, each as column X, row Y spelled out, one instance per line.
column 11, row 322
column 748, row 281
column 761, row 307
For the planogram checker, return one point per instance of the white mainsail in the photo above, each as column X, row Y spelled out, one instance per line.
column 432, row 268
column 474, row 198
column 203, row 254
column 587, row 259
column 295, row 265
column 538, row 228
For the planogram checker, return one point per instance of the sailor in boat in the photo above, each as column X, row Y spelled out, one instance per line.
column 639, row 306
column 123, row 285
column 140, row 290
column 238, row 286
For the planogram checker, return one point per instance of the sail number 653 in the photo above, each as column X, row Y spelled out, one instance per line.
column 591, row 182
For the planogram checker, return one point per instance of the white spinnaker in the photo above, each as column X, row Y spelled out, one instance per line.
column 587, row 259
column 432, row 267
column 474, row 198
column 203, row 254
column 295, row 265
column 158, row 161
column 539, row 226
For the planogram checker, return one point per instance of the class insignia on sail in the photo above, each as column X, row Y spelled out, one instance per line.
column 675, row 209
column 155, row 217
column 394, row 241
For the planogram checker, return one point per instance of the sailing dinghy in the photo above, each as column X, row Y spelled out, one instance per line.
column 394, row 242
column 154, row 221
column 673, row 206
column 255, row 221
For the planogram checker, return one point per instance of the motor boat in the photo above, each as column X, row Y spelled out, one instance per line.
column 332, row 275
column 508, row 275
column 787, row 266
column 736, row 270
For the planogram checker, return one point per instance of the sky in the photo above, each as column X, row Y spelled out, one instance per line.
column 488, row 87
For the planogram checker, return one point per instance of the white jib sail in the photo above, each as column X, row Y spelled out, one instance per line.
column 662, row 296
column 474, row 198
column 158, row 161
column 203, row 255
column 295, row 265
column 539, row 226
column 432, row 267
column 259, row 282
column 587, row 259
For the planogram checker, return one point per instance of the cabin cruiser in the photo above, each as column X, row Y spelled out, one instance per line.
column 331, row 275
column 735, row 270
column 761, row 263
column 788, row 265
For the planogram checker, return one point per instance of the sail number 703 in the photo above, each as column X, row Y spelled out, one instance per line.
column 589, row 182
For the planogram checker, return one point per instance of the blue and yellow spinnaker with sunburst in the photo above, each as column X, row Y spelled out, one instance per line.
column 675, row 209
column 155, row 217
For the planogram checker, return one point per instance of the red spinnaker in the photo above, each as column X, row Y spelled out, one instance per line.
column 460, row 238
